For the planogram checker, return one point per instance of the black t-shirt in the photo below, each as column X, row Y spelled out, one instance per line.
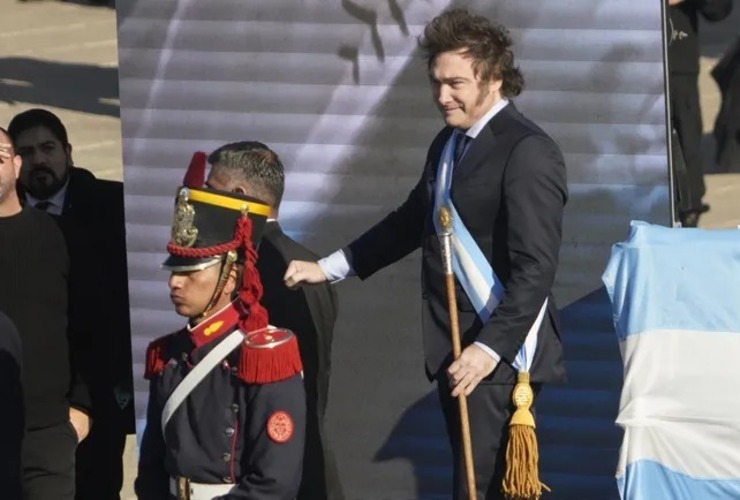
column 34, row 268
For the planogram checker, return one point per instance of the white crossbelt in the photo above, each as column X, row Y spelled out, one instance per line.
column 196, row 376
column 200, row 491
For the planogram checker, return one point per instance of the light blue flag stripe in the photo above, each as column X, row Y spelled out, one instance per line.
column 651, row 287
column 649, row 480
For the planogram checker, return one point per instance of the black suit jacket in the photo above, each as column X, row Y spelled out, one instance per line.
column 96, row 206
column 509, row 189
column 310, row 312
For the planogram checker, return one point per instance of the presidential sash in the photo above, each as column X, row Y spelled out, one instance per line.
column 472, row 269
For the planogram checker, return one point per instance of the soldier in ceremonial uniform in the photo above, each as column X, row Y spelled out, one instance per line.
column 226, row 414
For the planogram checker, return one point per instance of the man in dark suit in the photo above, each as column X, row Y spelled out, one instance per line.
column 508, row 187
column 89, row 209
column 253, row 169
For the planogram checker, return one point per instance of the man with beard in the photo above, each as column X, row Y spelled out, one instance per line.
column 90, row 210
column 35, row 295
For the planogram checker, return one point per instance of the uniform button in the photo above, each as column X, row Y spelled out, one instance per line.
column 184, row 356
column 226, row 479
column 235, row 408
column 226, row 457
column 229, row 431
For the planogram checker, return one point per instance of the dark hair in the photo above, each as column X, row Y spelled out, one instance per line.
column 488, row 44
column 253, row 163
column 34, row 118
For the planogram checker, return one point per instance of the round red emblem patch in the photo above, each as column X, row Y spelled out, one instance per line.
column 280, row 427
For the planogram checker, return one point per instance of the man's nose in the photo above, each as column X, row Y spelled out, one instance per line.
column 175, row 281
column 37, row 158
column 443, row 95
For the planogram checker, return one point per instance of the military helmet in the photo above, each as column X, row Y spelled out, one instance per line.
column 209, row 223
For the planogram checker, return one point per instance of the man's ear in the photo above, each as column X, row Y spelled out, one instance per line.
column 231, row 283
column 17, row 163
column 496, row 85
column 68, row 149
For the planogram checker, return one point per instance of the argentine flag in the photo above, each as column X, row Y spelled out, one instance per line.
column 676, row 303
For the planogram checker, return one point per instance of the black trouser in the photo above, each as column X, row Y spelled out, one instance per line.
column 489, row 410
column 686, row 120
column 100, row 458
column 49, row 463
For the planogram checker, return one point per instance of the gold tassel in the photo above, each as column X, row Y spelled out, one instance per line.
column 522, row 481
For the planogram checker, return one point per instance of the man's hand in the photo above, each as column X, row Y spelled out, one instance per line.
column 302, row 272
column 81, row 422
column 473, row 365
column 674, row 2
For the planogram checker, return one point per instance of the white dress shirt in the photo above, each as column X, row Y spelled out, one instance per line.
column 56, row 202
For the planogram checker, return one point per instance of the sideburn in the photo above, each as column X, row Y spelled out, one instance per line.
column 484, row 92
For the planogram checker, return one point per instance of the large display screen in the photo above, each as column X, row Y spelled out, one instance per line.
column 338, row 90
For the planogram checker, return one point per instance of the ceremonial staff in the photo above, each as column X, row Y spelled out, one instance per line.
column 445, row 222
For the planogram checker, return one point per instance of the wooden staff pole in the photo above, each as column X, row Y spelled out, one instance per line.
column 445, row 222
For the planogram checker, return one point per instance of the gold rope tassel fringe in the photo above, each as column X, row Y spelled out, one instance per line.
column 522, row 481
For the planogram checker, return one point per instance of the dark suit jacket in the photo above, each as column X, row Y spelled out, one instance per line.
column 310, row 313
column 96, row 205
column 510, row 190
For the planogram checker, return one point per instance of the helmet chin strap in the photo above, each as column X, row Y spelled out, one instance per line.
column 226, row 266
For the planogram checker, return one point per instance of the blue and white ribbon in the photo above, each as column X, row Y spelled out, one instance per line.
column 471, row 267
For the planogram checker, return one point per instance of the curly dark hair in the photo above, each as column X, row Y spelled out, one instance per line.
column 488, row 44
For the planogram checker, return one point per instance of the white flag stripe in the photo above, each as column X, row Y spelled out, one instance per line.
column 679, row 403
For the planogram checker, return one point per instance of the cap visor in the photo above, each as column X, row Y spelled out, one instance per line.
column 174, row 263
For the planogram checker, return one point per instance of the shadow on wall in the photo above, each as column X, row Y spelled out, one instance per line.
column 420, row 438
column 78, row 87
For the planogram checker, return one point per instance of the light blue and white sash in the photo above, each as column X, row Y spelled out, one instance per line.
column 471, row 267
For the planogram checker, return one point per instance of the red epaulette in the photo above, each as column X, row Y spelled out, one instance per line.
column 269, row 355
column 156, row 357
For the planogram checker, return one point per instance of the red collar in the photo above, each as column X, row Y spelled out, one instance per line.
column 216, row 325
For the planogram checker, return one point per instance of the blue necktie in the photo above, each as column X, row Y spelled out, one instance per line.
column 460, row 145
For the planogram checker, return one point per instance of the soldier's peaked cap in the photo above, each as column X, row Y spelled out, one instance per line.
column 208, row 223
